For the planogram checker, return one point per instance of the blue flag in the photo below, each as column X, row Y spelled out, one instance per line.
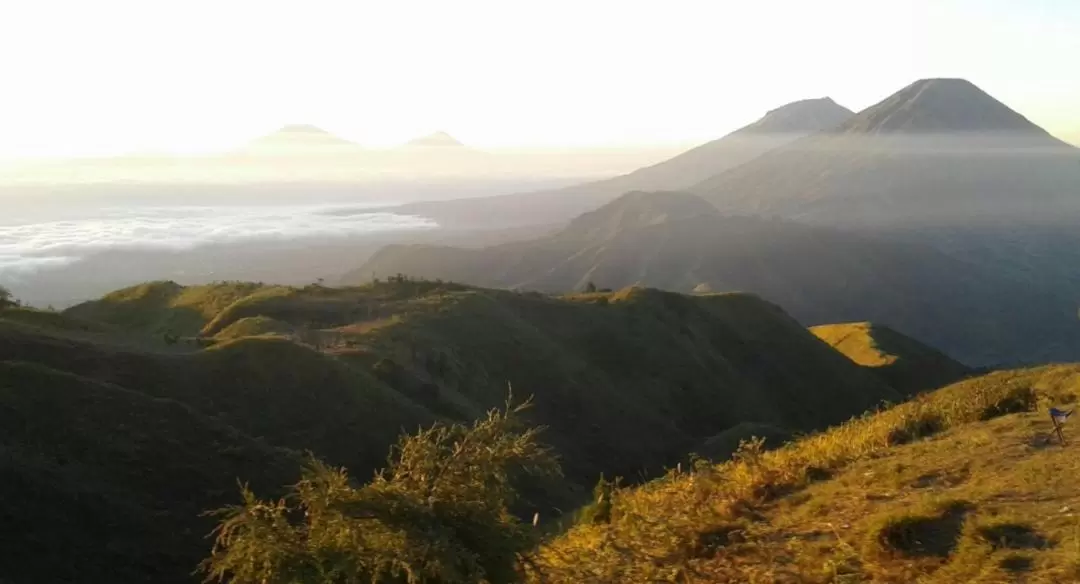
column 1059, row 416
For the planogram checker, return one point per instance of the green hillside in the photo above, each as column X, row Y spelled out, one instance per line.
column 901, row 361
column 603, row 368
column 159, row 307
column 676, row 241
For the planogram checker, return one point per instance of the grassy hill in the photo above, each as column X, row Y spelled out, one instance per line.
column 901, row 361
column 964, row 484
column 603, row 368
column 159, row 307
column 676, row 241
column 139, row 436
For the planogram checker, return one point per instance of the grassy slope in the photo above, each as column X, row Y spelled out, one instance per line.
column 99, row 483
column 902, row 362
column 959, row 485
column 289, row 394
column 159, row 307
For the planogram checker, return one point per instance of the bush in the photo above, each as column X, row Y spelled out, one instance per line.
column 6, row 299
column 599, row 510
column 920, row 533
column 390, row 372
column 438, row 513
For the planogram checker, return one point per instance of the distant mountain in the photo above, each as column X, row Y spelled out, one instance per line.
column 938, row 151
column 297, row 139
column 438, row 139
column 676, row 241
column 778, row 127
column 941, row 106
column 901, row 361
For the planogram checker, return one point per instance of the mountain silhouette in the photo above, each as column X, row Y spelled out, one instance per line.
column 778, row 127
column 437, row 139
column 298, row 139
column 941, row 106
column 937, row 151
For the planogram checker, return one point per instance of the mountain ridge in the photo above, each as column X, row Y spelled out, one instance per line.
column 935, row 152
column 821, row 275
column 779, row 126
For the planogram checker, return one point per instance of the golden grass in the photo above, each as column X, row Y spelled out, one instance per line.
column 856, row 341
column 804, row 513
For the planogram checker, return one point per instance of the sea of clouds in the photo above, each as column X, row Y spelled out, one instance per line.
column 30, row 245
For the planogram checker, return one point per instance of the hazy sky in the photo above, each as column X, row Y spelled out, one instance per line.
column 108, row 76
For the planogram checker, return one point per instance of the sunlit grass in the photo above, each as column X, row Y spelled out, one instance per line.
column 656, row 531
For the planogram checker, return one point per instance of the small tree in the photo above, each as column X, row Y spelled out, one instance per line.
column 438, row 513
column 6, row 299
column 599, row 510
column 590, row 287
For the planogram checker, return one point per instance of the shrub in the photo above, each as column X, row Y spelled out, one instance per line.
column 390, row 373
column 6, row 299
column 921, row 533
column 438, row 513
column 599, row 510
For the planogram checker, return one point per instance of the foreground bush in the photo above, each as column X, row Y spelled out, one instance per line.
column 438, row 513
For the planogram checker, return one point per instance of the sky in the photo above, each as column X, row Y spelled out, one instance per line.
column 111, row 76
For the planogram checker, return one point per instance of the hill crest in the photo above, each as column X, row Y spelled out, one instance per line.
column 904, row 363
column 803, row 116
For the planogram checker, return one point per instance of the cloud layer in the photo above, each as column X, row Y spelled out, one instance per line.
column 30, row 246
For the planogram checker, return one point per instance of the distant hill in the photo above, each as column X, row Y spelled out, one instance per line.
column 778, row 127
column 676, row 241
column 435, row 140
column 298, row 139
column 904, row 363
column 940, row 151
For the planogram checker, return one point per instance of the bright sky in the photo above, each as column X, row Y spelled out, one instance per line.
column 108, row 76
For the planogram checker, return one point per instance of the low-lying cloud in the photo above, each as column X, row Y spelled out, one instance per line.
column 31, row 246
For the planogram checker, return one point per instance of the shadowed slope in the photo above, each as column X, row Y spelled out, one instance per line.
column 103, row 484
